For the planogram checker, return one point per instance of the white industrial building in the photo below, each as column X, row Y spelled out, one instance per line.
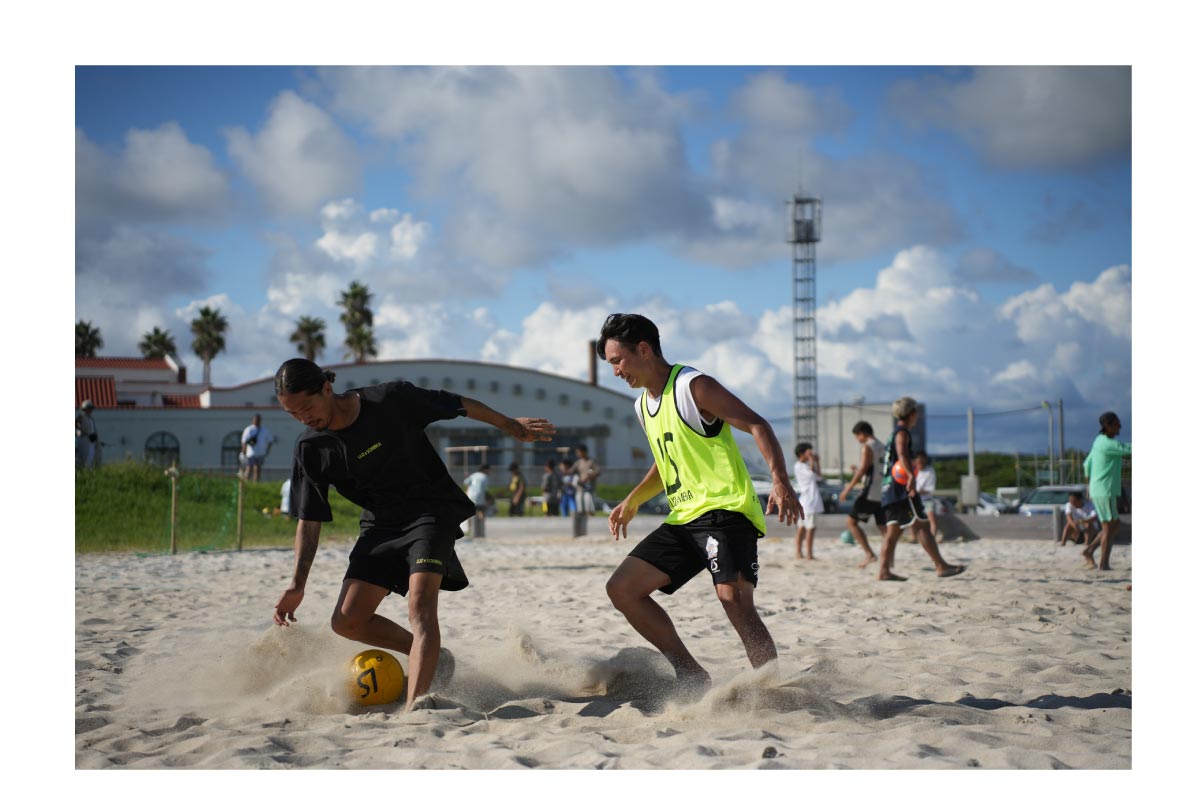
column 147, row 410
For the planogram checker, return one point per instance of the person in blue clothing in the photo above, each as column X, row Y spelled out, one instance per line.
column 1103, row 470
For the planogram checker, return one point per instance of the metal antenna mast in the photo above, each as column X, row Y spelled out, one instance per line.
column 803, row 234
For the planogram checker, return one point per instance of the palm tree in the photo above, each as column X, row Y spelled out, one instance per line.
column 358, row 320
column 157, row 344
column 309, row 336
column 208, row 331
column 360, row 343
column 87, row 339
column 355, row 302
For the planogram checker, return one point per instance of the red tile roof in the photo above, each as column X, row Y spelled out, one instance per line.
column 100, row 390
column 187, row 400
column 122, row 362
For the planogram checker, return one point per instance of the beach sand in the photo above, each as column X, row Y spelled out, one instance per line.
column 1022, row 662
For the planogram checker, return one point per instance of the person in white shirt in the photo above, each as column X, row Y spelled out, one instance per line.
column 257, row 440
column 1082, row 520
column 477, row 483
column 926, row 483
column 808, row 478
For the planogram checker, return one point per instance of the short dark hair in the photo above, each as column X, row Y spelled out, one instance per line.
column 1075, row 494
column 514, row 467
column 628, row 329
column 922, row 455
column 863, row 427
column 550, row 463
column 582, row 448
column 1107, row 419
column 299, row 375
column 802, row 446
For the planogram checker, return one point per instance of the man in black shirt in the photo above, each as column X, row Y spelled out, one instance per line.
column 369, row 443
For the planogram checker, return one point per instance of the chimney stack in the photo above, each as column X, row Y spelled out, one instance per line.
column 592, row 358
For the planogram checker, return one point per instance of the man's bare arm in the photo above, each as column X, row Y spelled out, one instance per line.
column 308, row 536
column 526, row 429
column 714, row 400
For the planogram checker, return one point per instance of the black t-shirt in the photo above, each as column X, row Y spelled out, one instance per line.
column 382, row 462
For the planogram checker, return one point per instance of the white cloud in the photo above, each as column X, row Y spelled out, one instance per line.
column 1038, row 116
column 299, row 159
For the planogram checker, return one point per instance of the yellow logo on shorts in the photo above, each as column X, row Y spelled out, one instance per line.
column 370, row 450
column 434, row 561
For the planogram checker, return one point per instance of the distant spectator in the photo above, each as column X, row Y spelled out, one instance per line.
column 1082, row 522
column 569, row 480
column 516, row 491
column 551, row 489
column 257, row 440
column 86, row 438
column 477, row 483
column 926, row 483
column 870, row 471
column 586, row 472
column 807, row 470
column 1103, row 470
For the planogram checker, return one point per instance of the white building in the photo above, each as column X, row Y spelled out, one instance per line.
column 146, row 410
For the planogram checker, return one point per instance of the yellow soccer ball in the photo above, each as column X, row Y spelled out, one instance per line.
column 376, row 678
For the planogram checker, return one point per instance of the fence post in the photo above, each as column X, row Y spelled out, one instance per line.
column 477, row 525
column 579, row 523
column 173, row 474
column 241, row 485
column 1057, row 524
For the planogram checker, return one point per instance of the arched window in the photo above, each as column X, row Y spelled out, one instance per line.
column 231, row 446
column 162, row 449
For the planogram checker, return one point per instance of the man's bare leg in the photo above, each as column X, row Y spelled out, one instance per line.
column 1090, row 548
column 423, row 587
column 812, row 532
column 924, row 536
column 799, row 542
column 887, row 555
column 1108, row 531
column 629, row 589
column 738, row 600
column 355, row 618
column 861, row 538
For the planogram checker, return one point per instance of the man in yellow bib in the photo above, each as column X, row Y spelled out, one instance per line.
column 715, row 520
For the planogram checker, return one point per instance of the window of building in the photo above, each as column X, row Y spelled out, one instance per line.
column 349, row 385
column 231, row 446
column 423, row 382
column 162, row 449
column 447, row 383
column 563, row 399
column 518, row 390
column 608, row 412
column 586, row 405
column 541, row 394
column 495, row 386
column 470, row 384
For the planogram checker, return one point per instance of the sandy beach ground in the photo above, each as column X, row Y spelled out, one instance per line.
column 1022, row 662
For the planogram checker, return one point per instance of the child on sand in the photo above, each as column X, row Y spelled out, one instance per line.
column 807, row 470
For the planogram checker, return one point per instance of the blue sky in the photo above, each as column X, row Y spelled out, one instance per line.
column 976, row 249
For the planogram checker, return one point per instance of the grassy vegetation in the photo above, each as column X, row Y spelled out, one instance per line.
column 126, row 506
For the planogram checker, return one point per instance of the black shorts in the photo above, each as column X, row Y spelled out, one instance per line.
column 863, row 510
column 724, row 542
column 386, row 556
column 905, row 512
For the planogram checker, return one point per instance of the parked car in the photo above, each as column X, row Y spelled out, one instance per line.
column 1043, row 499
column 991, row 505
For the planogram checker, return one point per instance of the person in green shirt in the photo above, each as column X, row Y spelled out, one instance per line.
column 715, row 520
column 1103, row 470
